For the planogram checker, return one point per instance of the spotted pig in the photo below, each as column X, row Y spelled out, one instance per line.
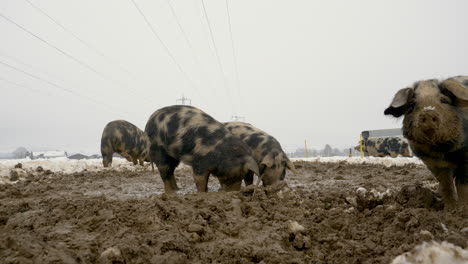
column 184, row 133
column 436, row 125
column 266, row 150
column 126, row 139
column 385, row 146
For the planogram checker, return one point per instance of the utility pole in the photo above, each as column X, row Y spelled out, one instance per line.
column 361, row 146
column 238, row 118
column 183, row 100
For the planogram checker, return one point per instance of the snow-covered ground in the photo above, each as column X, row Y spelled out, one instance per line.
column 434, row 253
column 63, row 165
column 66, row 165
column 387, row 161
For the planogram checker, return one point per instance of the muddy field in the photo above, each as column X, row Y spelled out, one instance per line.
column 327, row 213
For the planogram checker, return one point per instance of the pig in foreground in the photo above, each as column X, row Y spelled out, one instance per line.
column 129, row 141
column 266, row 150
column 184, row 133
column 436, row 126
column 385, row 146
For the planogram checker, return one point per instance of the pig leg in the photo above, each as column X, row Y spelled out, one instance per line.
column 249, row 178
column 167, row 175
column 106, row 152
column 107, row 159
column 462, row 190
column 126, row 156
column 166, row 166
column 447, row 186
column 201, row 181
column 141, row 161
column 172, row 178
column 461, row 175
column 135, row 160
column 236, row 186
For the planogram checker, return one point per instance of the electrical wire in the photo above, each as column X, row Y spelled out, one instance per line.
column 233, row 52
column 216, row 53
column 54, row 47
column 63, row 88
column 72, row 57
column 189, row 44
column 89, row 46
column 22, row 86
column 167, row 50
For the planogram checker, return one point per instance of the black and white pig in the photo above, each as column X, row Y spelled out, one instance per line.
column 184, row 133
column 126, row 139
column 266, row 150
column 436, row 126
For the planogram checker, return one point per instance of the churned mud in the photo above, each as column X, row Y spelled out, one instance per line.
column 327, row 213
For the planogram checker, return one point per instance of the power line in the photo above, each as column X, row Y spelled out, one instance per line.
column 18, row 61
column 233, row 51
column 55, row 47
column 216, row 53
column 166, row 48
column 212, row 38
column 36, row 68
column 55, row 77
column 183, row 32
column 61, row 87
column 63, row 52
column 19, row 85
column 109, row 60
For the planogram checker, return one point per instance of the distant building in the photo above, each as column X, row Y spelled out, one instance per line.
column 95, row 156
column 78, row 156
column 49, row 154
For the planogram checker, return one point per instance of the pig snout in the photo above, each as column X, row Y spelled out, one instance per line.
column 429, row 120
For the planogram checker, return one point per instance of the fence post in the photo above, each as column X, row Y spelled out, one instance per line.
column 305, row 149
column 360, row 146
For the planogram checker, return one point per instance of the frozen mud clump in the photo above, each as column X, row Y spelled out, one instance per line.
column 365, row 199
column 434, row 253
column 418, row 196
column 297, row 237
column 16, row 174
column 111, row 255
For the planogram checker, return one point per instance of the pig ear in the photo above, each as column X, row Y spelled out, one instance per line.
column 457, row 89
column 290, row 165
column 399, row 104
column 251, row 165
column 267, row 161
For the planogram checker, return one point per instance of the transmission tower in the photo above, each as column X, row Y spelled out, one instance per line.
column 184, row 99
column 238, row 118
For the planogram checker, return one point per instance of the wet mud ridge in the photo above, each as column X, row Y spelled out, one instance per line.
column 327, row 213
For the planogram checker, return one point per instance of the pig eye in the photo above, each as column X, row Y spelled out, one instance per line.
column 410, row 107
column 445, row 100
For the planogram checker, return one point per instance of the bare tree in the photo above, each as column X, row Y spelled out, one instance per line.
column 20, row 153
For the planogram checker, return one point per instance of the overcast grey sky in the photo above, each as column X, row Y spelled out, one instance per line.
column 320, row 71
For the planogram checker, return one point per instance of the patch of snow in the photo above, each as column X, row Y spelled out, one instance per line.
column 50, row 154
column 372, row 194
column 62, row 164
column 65, row 165
column 386, row 161
column 434, row 253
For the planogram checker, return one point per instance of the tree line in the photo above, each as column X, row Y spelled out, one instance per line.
column 327, row 151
